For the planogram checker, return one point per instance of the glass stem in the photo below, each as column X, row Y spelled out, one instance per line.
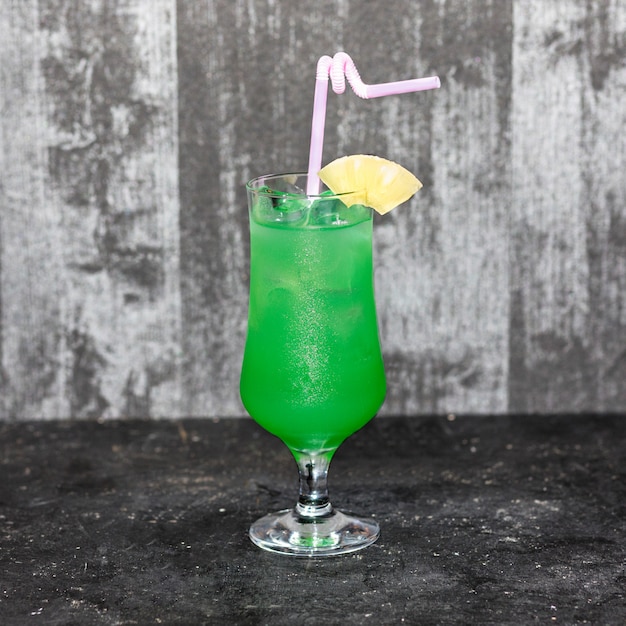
column 313, row 500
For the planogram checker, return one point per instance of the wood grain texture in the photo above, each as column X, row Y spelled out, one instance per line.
column 568, row 232
column 31, row 376
column 90, row 280
column 128, row 131
column 442, row 269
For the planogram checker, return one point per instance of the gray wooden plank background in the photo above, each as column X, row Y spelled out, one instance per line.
column 129, row 128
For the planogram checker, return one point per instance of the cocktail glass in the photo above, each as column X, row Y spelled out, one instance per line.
column 312, row 370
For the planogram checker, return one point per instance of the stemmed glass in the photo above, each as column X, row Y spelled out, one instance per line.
column 312, row 370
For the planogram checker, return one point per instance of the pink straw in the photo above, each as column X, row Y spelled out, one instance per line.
column 338, row 68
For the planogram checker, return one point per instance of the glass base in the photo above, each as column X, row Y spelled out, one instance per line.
column 287, row 532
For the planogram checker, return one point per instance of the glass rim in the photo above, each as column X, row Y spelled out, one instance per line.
column 254, row 186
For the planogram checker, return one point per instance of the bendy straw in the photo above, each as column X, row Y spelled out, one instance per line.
column 338, row 68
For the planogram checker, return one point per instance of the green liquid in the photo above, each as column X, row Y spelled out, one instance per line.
column 312, row 370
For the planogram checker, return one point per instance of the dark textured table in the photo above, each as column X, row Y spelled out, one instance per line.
column 485, row 520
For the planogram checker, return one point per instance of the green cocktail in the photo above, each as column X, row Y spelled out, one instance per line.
column 312, row 371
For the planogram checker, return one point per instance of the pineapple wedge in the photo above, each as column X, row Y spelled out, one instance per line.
column 376, row 182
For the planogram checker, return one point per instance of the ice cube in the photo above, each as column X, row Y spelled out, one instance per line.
column 263, row 209
column 290, row 208
column 334, row 212
column 278, row 206
column 327, row 212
